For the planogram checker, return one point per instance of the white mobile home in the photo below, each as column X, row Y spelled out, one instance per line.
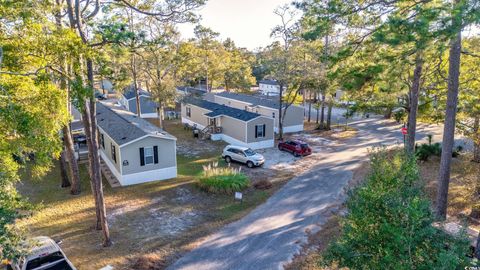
column 133, row 150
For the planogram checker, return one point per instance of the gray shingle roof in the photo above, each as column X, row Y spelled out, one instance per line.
column 129, row 92
column 192, row 90
column 147, row 105
column 253, row 100
column 124, row 126
column 217, row 110
column 76, row 125
column 269, row 82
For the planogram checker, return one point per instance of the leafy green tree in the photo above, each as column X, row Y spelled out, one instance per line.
column 160, row 64
column 83, row 17
column 380, row 232
column 238, row 71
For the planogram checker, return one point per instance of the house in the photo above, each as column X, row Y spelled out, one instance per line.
column 269, row 87
column 235, row 126
column 132, row 149
column 187, row 90
column 148, row 108
column 293, row 121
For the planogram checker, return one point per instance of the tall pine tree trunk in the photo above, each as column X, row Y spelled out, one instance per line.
column 414, row 92
column 96, row 161
column 69, row 150
column 135, row 84
column 450, row 117
column 329, row 114
column 280, row 112
column 160, row 114
column 72, row 160
column 88, row 133
column 63, row 170
column 309, row 106
column 318, row 108
column 388, row 113
column 476, row 139
column 322, row 114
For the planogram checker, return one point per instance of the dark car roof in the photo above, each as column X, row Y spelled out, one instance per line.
column 296, row 141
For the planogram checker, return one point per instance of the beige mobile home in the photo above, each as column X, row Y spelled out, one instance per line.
column 133, row 151
column 267, row 107
column 235, row 126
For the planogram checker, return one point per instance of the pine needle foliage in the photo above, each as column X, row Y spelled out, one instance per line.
column 389, row 223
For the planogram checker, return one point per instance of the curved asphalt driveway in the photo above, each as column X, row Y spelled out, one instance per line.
column 269, row 236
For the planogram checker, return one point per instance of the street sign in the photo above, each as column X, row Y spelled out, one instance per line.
column 404, row 130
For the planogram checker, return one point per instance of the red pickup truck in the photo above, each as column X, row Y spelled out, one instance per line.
column 296, row 147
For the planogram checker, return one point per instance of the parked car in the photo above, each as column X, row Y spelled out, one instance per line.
column 243, row 155
column 44, row 254
column 296, row 147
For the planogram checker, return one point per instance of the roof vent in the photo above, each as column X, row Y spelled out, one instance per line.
column 124, row 138
column 101, row 119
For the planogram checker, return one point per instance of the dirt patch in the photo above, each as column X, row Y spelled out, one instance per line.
column 310, row 257
column 189, row 146
column 465, row 176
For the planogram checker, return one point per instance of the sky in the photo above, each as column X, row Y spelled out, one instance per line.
column 247, row 22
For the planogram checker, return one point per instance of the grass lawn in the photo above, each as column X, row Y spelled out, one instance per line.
column 156, row 220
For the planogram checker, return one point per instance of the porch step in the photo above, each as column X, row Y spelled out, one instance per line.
column 107, row 173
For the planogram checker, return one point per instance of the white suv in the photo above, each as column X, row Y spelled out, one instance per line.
column 242, row 154
column 44, row 254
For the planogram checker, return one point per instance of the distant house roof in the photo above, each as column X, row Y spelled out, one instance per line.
column 217, row 110
column 124, row 126
column 76, row 125
column 253, row 100
column 192, row 90
column 129, row 92
column 269, row 82
column 147, row 105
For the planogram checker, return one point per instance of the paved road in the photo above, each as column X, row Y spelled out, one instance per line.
column 269, row 236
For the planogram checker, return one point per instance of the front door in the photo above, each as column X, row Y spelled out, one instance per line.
column 213, row 122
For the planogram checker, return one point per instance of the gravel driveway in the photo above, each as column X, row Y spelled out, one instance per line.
column 273, row 233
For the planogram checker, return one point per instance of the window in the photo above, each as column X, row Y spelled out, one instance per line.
column 249, row 152
column 233, row 150
column 56, row 258
column 189, row 112
column 273, row 114
column 102, row 141
column 113, row 152
column 148, row 156
column 259, row 131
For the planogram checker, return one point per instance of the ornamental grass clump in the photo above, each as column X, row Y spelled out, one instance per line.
column 222, row 180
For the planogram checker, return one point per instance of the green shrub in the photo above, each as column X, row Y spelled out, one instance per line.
column 389, row 223
column 424, row 151
column 399, row 115
column 226, row 180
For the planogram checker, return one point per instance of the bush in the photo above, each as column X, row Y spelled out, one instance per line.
column 225, row 180
column 424, row 151
column 399, row 115
column 389, row 223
